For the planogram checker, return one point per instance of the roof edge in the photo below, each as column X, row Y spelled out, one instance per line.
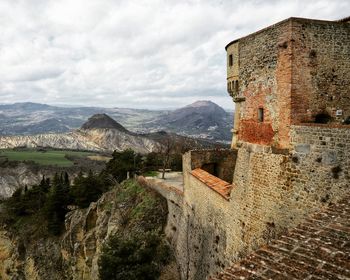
column 341, row 21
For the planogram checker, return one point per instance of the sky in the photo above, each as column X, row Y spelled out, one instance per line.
column 138, row 54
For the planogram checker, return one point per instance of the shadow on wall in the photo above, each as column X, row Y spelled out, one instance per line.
column 218, row 162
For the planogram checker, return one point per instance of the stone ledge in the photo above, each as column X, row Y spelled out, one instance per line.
column 216, row 184
column 322, row 125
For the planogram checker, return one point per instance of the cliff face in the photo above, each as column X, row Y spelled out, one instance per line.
column 11, row 178
column 97, row 139
column 86, row 231
column 75, row 254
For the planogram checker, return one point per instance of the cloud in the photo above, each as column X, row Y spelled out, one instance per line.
column 146, row 54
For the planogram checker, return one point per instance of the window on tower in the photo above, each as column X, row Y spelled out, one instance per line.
column 230, row 60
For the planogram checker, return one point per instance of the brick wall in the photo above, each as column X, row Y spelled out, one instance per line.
column 264, row 73
column 321, row 70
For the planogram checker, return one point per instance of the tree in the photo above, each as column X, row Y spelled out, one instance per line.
column 166, row 148
column 123, row 163
column 87, row 189
column 56, row 204
column 135, row 257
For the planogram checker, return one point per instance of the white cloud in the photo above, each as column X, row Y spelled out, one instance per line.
column 144, row 54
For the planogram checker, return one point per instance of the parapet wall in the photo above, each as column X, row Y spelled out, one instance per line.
column 219, row 162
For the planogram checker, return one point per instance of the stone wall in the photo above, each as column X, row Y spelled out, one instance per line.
column 320, row 165
column 294, row 71
column 321, row 70
column 264, row 73
column 273, row 190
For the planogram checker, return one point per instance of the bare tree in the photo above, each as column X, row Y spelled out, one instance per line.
column 167, row 146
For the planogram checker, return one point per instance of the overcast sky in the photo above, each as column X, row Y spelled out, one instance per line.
column 143, row 54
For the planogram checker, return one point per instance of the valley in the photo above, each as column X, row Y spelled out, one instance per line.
column 58, row 158
column 202, row 119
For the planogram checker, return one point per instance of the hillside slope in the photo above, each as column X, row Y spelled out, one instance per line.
column 99, row 133
column 202, row 119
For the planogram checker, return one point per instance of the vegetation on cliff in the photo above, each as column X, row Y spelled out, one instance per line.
column 138, row 250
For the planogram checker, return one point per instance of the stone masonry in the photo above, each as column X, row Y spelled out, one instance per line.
column 319, row 248
column 296, row 71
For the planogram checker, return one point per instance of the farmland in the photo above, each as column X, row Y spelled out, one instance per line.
column 60, row 158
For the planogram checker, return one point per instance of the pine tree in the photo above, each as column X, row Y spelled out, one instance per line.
column 57, row 205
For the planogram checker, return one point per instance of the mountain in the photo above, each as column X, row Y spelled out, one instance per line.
column 103, row 121
column 202, row 119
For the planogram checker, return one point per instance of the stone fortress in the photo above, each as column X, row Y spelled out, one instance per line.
column 290, row 154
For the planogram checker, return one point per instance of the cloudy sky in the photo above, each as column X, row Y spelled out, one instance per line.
column 142, row 54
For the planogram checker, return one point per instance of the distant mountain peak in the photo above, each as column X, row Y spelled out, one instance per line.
column 202, row 103
column 103, row 121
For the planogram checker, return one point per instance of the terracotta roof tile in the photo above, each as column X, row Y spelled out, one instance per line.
column 216, row 184
column 318, row 248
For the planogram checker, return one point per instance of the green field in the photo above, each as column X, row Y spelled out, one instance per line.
column 47, row 157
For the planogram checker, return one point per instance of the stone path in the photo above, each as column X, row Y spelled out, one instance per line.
column 174, row 179
column 319, row 248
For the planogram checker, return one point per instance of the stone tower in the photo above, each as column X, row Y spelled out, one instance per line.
column 294, row 72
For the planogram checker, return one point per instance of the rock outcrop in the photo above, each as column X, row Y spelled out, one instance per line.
column 13, row 177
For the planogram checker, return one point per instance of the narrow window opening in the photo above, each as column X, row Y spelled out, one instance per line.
column 230, row 60
column 260, row 114
column 236, row 87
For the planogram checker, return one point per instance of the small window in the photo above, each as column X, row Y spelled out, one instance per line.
column 260, row 114
column 236, row 87
column 229, row 87
column 230, row 60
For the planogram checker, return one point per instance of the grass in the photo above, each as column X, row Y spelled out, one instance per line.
column 151, row 174
column 48, row 157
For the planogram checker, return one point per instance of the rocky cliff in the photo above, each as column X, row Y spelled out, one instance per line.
column 75, row 254
column 13, row 177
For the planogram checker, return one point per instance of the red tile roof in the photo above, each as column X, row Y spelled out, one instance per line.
column 218, row 185
column 319, row 248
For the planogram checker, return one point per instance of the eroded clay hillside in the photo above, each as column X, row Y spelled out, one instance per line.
column 100, row 133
